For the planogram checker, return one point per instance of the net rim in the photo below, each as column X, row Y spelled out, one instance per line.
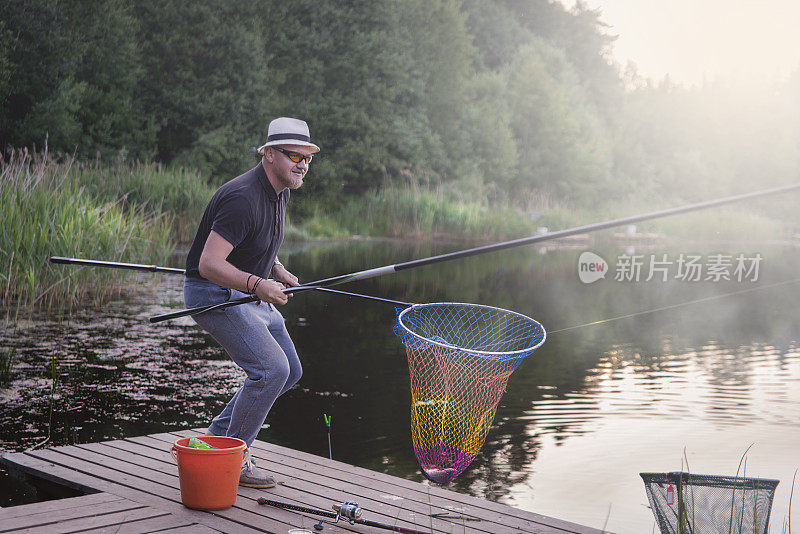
column 472, row 351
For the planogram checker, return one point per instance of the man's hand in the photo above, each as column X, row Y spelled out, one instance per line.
column 214, row 266
column 280, row 274
column 270, row 291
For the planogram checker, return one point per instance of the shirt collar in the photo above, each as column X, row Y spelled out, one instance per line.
column 264, row 181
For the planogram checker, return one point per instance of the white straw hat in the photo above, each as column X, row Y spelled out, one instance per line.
column 288, row 131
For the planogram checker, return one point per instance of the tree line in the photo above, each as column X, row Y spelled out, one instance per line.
column 506, row 99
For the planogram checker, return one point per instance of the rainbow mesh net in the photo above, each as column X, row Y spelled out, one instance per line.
column 459, row 359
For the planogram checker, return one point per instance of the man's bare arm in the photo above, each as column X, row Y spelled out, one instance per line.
column 215, row 267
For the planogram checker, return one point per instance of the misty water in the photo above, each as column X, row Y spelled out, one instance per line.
column 586, row 413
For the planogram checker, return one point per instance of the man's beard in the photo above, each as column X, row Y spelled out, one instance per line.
column 291, row 180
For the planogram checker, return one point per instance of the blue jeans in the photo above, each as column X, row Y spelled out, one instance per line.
column 256, row 339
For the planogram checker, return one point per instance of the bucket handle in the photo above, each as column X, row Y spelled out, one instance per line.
column 174, row 453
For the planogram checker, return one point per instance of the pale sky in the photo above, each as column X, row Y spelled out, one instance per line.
column 713, row 39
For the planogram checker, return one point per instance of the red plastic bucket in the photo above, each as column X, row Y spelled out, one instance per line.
column 209, row 478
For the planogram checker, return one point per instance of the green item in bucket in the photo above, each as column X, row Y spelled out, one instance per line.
column 199, row 444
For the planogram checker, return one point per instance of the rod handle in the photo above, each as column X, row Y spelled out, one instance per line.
column 202, row 309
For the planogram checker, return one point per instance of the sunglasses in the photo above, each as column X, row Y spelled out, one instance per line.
column 296, row 157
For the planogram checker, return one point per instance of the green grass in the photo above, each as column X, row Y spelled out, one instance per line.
column 398, row 212
column 181, row 193
column 417, row 212
column 47, row 211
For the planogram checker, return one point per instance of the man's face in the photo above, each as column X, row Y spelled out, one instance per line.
column 287, row 172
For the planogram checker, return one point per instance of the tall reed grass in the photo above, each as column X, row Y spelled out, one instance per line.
column 180, row 192
column 49, row 210
column 416, row 212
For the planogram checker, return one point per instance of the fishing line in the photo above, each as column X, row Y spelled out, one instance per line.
column 673, row 306
column 173, row 270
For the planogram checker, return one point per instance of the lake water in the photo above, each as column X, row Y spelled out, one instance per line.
column 593, row 407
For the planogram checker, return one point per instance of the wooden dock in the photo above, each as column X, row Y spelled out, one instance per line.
column 131, row 486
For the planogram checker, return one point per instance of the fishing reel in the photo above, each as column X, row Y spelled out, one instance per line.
column 348, row 510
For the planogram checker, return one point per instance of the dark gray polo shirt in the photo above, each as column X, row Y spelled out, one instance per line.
column 249, row 214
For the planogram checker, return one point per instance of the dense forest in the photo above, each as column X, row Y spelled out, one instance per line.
column 513, row 101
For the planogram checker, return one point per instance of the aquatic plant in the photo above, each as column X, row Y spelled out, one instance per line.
column 394, row 211
column 48, row 211
column 786, row 525
column 6, row 363
column 180, row 192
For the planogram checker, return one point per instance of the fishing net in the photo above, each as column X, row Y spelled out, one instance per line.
column 684, row 503
column 459, row 359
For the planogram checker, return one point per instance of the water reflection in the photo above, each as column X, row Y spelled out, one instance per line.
column 640, row 411
column 592, row 408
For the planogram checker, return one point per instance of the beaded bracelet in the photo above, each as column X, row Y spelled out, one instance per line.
column 247, row 284
column 255, row 286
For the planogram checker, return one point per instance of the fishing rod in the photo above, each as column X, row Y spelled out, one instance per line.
column 173, row 270
column 116, row 265
column 387, row 269
column 348, row 511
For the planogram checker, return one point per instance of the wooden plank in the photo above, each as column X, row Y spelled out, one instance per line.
column 163, row 485
column 155, row 463
column 319, row 492
column 438, row 497
column 499, row 518
column 18, row 462
column 349, row 471
column 338, row 477
column 141, row 469
column 56, row 470
column 409, row 488
column 500, row 515
column 147, row 481
column 59, row 504
column 151, row 458
column 144, row 526
column 48, row 518
column 327, row 496
column 191, row 529
column 107, row 521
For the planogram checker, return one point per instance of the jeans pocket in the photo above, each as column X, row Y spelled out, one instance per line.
column 197, row 294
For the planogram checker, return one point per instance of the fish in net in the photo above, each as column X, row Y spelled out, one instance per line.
column 459, row 359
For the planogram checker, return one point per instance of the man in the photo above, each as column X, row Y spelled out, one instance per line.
column 233, row 254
